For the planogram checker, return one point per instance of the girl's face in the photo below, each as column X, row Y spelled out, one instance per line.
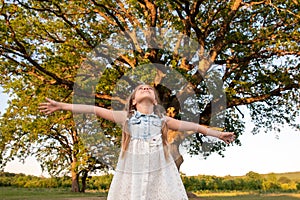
column 145, row 92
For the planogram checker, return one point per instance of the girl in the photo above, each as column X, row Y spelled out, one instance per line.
column 145, row 169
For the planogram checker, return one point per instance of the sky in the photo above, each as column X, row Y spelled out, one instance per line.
column 262, row 153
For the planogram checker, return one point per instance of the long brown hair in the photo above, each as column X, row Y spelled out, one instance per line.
column 131, row 108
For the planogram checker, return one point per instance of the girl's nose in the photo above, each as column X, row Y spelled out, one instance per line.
column 146, row 88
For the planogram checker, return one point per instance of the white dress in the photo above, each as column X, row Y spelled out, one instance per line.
column 144, row 173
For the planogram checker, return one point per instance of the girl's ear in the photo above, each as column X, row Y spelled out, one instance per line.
column 155, row 102
column 133, row 102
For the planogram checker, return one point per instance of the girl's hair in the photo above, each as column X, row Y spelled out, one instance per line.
column 130, row 108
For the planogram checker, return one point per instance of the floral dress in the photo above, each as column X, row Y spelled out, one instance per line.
column 144, row 172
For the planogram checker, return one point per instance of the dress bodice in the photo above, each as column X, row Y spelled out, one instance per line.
column 144, row 126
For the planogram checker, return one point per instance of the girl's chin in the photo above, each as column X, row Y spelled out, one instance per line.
column 146, row 98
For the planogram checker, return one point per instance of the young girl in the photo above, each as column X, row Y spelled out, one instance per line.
column 145, row 169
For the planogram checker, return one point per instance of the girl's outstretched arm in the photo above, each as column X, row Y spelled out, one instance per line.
column 180, row 125
column 51, row 106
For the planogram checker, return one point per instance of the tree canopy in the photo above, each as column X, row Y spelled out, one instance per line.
column 220, row 55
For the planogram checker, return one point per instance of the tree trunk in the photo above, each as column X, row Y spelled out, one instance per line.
column 83, row 181
column 75, row 182
column 175, row 139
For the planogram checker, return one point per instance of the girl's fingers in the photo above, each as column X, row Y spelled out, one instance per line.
column 44, row 110
column 229, row 137
column 51, row 101
column 43, row 104
column 41, row 107
column 48, row 99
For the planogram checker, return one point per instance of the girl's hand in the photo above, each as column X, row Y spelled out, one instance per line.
column 49, row 107
column 227, row 137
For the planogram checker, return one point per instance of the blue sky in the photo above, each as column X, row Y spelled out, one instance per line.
column 261, row 153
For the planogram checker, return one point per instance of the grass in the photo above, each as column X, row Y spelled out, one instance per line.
column 249, row 196
column 13, row 193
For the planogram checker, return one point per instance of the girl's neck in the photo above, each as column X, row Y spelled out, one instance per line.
column 145, row 108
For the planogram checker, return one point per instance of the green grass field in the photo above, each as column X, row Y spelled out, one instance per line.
column 12, row 193
column 247, row 196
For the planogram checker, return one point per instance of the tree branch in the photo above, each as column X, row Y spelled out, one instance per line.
column 23, row 53
column 218, row 43
column 276, row 92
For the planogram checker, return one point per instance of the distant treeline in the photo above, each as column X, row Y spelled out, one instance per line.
column 101, row 183
column 251, row 181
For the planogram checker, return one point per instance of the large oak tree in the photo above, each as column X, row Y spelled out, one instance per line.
column 247, row 55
